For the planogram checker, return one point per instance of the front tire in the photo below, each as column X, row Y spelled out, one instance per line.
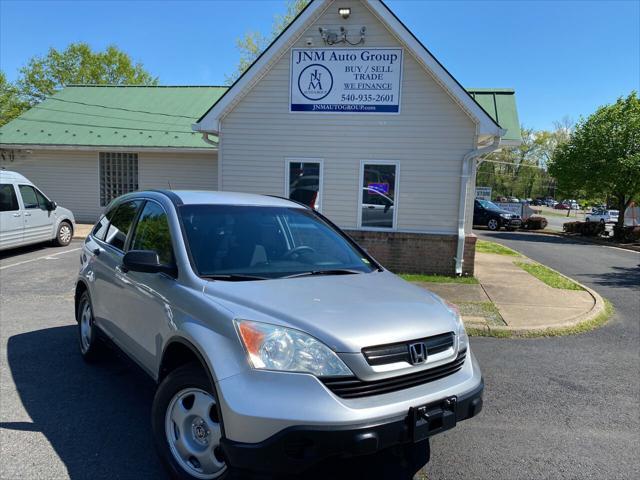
column 187, row 427
column 64, row 234
column 493, row 225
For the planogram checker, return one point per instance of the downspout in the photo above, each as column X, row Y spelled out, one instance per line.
column 467, row 172
column 205, row 137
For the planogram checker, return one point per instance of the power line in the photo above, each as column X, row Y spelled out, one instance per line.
column 40, row 107
column 121, row 108
column 103, row 126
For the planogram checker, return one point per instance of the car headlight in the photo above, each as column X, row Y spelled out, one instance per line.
column 505, row 215
column 463, row 338
column 272, row 347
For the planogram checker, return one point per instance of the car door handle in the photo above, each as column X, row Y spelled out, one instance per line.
column 96, row 251
column 16, row 214
column 27, row 214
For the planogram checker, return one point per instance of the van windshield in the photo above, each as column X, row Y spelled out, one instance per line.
column 266, row 242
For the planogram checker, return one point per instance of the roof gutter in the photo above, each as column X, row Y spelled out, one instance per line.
column 465, row 176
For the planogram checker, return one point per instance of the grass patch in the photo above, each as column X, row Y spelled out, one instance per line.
column 583, row 327
column 486, row 310
column 548, row 276
column 483, row 246
column 415, row 277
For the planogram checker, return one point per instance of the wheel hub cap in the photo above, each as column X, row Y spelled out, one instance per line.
column 200, row 431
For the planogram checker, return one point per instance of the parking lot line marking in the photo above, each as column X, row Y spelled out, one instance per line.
column 44, row 257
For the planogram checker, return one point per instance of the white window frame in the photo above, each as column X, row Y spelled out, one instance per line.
column 287, row 172
column 396, row 190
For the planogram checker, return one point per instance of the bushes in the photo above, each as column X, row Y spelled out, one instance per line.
column 587, row 229
column 626, row 234
column 535, row 223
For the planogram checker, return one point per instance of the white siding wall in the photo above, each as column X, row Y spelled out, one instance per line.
column 195, row 171
column 72, row 178
column 68, row 177
column 429, row 139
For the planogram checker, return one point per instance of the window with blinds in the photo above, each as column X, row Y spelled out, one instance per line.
column 118, row 175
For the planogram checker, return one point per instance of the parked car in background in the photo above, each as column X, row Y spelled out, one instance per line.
column 377, row 209
column 562, row 206
column 550, row 202
column 490, row 215
column 268, row 332
column 514, row 200
column 538, row 202
column 27, row 216
column 602, row 216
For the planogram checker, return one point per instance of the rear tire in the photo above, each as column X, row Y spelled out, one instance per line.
column 64, row 235
column 187, row 427
column 493, row 225
column 91, row 347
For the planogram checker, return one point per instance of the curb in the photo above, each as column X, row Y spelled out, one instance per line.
column 599, row 308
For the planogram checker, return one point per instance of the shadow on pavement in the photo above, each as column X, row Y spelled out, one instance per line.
column 14, row 252
column 529, row 237
column 97, row 417
column 619, row 277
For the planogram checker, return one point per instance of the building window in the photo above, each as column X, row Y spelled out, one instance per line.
column 118, row 175
column 303, row 181
column 378, row 195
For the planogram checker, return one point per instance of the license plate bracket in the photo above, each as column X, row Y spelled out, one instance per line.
column 427, row 420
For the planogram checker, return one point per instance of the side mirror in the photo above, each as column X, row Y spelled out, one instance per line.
column 146, row 261
column 51, row 205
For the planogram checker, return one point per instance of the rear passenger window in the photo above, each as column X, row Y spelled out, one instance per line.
column 121, row 224
column 152, row 233
column 8, row 198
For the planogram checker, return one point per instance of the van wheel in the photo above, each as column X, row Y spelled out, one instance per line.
column 91, row 348
column 493, row 224
column 64, row 235
column 187, row 427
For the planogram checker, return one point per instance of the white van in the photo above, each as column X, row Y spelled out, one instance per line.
column 28, row 216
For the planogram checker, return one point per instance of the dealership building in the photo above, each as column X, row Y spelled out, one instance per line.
column 346, row 111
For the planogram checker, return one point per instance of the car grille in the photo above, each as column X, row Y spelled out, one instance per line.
column 352, row 387
column 399, row 352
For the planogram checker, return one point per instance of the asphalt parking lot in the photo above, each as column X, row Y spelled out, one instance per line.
column 554, row 408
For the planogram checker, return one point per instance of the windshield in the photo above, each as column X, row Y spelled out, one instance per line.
column 267, row 242
column 489, row 205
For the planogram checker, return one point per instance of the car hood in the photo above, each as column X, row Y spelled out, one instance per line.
column 346, row 312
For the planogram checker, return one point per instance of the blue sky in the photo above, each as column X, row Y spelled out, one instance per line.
column 562, row 57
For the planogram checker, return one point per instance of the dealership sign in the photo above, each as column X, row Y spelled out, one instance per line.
column 357, row 80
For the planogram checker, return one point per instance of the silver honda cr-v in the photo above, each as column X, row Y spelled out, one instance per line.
column 275, row 340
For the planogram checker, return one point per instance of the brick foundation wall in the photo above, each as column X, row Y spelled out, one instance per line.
column 417, row 252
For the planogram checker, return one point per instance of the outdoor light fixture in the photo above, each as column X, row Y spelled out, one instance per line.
column 344, row 12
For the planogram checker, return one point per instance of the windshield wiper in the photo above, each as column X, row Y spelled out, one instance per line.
column 337, row 271
column 233, row 277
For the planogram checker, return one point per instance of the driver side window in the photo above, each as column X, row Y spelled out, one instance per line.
column 152, row 233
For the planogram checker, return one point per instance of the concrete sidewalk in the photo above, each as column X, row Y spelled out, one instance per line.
column 510, row 299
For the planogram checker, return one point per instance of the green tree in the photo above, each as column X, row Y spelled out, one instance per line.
column 78, row 64
column 253, row 43
column 602, row 155
column 11, row 104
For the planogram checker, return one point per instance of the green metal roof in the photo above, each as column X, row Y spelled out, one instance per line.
column 161, row 117
column 120, row 116
column 500, row 104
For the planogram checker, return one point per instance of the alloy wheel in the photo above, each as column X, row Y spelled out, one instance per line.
column 493, row 224
column 65, row 234
column 86, row 327
column 193, row 433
